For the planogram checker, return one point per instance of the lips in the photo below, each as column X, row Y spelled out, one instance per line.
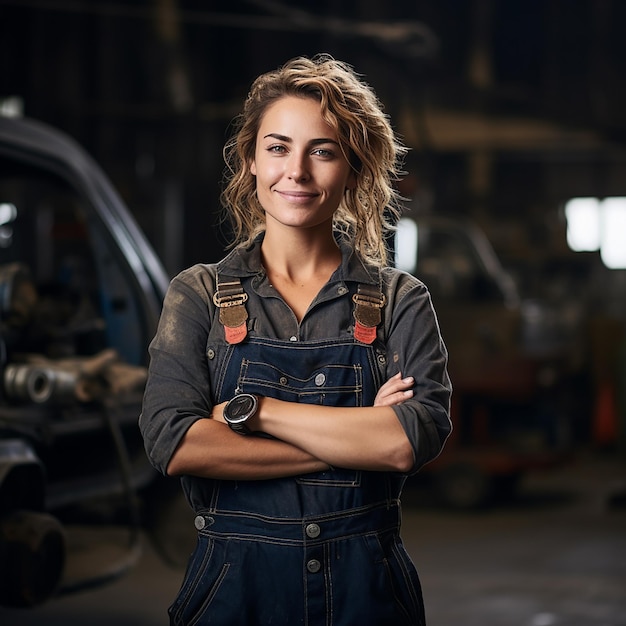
column 297, row 196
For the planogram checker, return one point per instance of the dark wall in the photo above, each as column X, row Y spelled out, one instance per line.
column 149, row 88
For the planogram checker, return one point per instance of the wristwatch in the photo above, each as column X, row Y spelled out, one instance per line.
column 239, row 410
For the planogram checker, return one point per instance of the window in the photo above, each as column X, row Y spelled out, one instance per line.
column 594, row 224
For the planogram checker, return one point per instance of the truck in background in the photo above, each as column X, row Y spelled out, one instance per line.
column 80, row 296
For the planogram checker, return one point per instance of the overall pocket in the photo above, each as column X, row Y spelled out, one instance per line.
column 397, row 578
column 206, row 571
column 328, row 384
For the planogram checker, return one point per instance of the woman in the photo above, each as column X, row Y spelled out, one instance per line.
column 296, row 383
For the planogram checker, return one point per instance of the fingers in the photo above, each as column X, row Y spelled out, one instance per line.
column 395, row 391
column 396, row 383
column 397, row 398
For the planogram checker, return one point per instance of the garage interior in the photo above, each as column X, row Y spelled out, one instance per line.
column 515, row 115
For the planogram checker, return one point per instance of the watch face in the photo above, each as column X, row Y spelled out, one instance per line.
column 240, row 407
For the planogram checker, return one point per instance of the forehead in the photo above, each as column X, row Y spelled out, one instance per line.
column 300, row 114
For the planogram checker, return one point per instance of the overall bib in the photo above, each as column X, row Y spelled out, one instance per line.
column 318, row 549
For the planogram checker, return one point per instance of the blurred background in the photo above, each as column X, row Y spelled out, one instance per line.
column 515, row 187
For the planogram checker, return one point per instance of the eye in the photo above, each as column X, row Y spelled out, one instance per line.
column 276, row 149
column 323, row 152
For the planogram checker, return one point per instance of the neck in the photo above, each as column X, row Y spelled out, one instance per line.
column 300, row 258
column 298, row 267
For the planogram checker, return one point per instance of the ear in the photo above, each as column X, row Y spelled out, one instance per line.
column 252, row 167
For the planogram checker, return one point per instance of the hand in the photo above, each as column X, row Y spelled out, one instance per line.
column 395, row 391
column 217, row 413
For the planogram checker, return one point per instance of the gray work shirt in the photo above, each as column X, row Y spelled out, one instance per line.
column 185, row 352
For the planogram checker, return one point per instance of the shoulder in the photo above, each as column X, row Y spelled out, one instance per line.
column 397, row 284
column 241, row 262
column 409, row 305
column 196, row 275
column 194, row 283
column 407, row 297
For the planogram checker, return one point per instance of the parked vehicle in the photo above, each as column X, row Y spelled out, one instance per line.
column 80, row 295
column 513, row 362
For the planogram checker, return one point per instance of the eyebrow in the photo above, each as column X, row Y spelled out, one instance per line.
column 313, row 142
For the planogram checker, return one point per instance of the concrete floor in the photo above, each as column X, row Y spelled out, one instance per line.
column 556, row 556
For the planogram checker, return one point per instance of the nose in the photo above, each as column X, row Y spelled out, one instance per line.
column 297, row 168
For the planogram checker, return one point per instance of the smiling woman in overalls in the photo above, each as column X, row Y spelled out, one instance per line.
column 295, row 384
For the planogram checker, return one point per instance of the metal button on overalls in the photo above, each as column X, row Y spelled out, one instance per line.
column 313, row 531
column 202, row 522
column 314, row 566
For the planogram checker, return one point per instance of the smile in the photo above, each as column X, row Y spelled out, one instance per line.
column 297, row 196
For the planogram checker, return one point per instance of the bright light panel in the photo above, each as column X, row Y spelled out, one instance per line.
column 406, row 245
column 583, row 224
column 613, row 249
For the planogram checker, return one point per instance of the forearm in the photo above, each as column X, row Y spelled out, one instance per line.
column 369, row 438
column 210, row 449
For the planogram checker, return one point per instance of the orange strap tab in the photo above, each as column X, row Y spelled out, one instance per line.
column 236, row 334
column 364, row 334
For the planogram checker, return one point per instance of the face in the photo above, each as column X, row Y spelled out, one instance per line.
column 301, row 173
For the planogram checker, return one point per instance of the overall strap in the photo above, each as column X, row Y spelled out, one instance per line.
column 368, row 303
column 230, row 298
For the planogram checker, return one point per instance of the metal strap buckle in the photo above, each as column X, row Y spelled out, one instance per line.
column 368, row 305
column 230, row 298
column 229, row 294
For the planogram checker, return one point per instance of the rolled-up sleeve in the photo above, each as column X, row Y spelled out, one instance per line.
column 416, row 348
column 178, row 388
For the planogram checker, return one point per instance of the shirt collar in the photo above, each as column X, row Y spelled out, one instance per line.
column 243, row 262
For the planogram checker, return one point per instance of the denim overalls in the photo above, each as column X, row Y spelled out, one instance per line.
column 319, row 549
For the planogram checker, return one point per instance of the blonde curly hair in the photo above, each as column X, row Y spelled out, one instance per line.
column 350, row 106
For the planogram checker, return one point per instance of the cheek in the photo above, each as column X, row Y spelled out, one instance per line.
column 267, row 173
